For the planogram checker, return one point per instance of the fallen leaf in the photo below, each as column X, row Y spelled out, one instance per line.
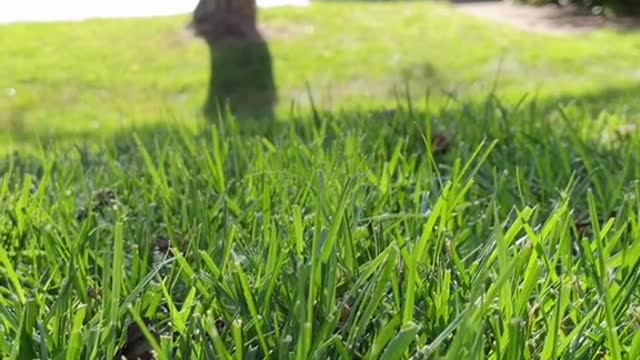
column 345, row 312
column 440, row 144
column 162, row 244
column 81, row 214
column 583, row 227
column 93, row 293
column 221, row 325
column 137, row 347
column 103, row 198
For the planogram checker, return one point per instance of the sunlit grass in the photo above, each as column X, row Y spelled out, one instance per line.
column 330, row 238
column 343, row 234
column 70, row 80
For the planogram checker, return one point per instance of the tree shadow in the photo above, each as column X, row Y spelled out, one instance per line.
column 621, row 100
column 618, row 101
column 520, row 129
column 468, row 123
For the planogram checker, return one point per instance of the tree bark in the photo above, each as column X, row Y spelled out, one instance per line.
column 241, row 77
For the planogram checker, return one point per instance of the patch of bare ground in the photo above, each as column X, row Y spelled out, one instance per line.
column 547, row 19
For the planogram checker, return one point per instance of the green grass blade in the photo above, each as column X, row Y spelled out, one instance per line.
column 399, row 345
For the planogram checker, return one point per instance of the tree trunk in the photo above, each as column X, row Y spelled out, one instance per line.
column 224, row 21
column 241, row 71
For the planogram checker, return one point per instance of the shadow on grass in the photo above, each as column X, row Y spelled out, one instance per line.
column 618, row 101
column 536, row 155
column 615, row 100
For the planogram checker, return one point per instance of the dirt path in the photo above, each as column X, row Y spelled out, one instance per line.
column 549, row 19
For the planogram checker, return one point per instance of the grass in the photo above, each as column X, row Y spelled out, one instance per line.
column 73, row 81
column 330, row 239
column 335, row 233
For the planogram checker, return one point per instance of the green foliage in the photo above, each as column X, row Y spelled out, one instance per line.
column 335, row 236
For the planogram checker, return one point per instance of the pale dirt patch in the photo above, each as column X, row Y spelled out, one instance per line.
column 547, row 19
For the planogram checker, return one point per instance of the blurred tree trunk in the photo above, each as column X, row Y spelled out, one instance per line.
column 241, row 71
column 226, row 20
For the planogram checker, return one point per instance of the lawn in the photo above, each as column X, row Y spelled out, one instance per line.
column 467, row 226
column 77, row 80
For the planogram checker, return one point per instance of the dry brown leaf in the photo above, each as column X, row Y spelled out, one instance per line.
column 137, row 347
column 440, row 144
